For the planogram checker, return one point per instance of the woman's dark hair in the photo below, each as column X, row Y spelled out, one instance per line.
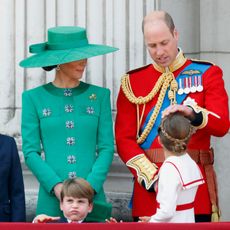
column 49, row 68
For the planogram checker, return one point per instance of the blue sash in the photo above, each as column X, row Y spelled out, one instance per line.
column 166, row 102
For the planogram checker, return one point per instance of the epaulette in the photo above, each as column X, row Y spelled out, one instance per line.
column 202, row 61
column 138, row 69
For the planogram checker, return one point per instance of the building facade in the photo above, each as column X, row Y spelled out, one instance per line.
column 203, row 34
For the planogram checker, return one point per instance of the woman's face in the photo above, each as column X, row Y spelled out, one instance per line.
column 72, row 70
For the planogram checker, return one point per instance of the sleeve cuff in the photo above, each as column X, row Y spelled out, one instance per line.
column 198, row 118
column 201, row 114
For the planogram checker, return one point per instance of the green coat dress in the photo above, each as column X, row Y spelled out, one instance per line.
column 73, row 127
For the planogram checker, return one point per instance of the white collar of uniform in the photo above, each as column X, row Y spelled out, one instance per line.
column 70, row 221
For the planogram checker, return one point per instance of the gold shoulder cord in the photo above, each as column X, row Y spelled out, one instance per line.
column 161, row 85
column 165, row 81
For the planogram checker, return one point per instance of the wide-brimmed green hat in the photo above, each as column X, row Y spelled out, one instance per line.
column 65, row 44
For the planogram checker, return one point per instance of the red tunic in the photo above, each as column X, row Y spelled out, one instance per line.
column 213, row 97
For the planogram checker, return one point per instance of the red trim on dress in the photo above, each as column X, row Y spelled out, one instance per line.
column 181, row 207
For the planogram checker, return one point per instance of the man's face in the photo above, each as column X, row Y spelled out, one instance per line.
column 160, row 42
column 75, row 209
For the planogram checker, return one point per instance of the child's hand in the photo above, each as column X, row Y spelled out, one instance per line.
column 144, row 219
column 112, row 220
column 42, row 218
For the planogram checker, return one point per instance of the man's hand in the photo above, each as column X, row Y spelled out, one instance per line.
column 185, row 110
column 112, row 220
column 152, row 188
column 145, row 219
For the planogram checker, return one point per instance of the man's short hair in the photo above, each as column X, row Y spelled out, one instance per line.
column 168, row 21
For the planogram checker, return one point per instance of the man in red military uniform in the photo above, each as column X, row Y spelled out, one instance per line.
column 172, row 83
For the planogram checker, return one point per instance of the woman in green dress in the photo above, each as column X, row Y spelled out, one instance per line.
column 67, row 119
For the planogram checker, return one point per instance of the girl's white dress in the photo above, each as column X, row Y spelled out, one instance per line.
column 179, row 178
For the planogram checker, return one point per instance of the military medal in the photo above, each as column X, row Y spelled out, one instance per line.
column 193, row 87
column 200, row 86
column 191, row 83
column 186, row 89
column 180, row 90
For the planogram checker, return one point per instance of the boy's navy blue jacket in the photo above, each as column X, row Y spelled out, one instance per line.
column 62, row 220
column 12, row 195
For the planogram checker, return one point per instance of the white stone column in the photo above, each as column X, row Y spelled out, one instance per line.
column 7, row 65
column 203, row 31
column 215, row 47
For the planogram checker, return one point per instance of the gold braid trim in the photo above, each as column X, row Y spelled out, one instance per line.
column 161, row 85
column 169, row 77
column 145, row 169
column 197, row 109
column 127, row 89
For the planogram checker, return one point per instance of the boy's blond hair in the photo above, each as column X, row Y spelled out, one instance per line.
column 77, row 188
